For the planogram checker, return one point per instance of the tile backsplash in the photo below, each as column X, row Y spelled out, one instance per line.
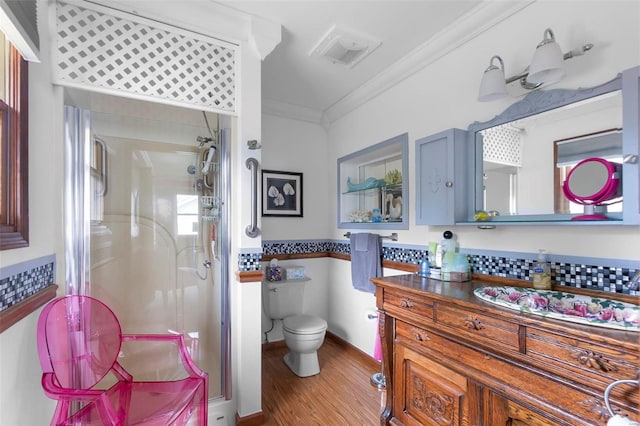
column 589, row 273
column 18, row 282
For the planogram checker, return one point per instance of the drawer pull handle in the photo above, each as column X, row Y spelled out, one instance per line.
column 473, row 323
column 595, row 360
column 420, row 336
column 406, row 303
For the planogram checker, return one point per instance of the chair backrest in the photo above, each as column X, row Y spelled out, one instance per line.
column 79, row 339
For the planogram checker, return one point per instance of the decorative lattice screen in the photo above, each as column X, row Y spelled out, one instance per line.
column 502, row 145
column 114, row 54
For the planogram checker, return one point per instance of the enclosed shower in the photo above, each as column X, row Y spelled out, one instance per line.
column 146, row 191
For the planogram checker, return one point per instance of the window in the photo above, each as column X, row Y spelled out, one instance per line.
column 14, row 201
column 187, row 214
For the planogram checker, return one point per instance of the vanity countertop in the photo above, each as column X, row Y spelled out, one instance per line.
column 462, row 294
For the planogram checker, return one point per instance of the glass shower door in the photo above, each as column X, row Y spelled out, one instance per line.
column 150, row 253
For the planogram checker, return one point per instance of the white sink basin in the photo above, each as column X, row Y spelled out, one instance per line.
column 598, row 312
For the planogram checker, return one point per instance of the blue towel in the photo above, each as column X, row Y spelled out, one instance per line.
column 365, row 261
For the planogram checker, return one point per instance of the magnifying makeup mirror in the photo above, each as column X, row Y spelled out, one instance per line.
column 594, row 183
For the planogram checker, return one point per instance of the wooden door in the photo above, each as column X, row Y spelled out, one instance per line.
column 426, row 393
column 500, row 411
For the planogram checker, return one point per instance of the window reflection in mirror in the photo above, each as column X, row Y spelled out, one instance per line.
column 522, row 174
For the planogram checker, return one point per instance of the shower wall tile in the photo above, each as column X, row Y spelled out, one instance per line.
column 603, row 277
column 18, row 282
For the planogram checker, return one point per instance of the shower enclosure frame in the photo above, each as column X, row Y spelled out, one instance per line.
column 77, row 223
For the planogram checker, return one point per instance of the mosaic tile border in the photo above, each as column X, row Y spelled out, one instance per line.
column 18, row 282
column 249, row 261
column 574, row 272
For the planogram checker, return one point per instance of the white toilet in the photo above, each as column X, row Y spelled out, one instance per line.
column 303, row 334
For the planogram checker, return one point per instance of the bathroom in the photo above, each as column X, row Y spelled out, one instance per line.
column 440, row 96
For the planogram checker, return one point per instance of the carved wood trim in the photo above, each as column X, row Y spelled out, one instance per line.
column 473, row 323
column 436, row 405
column 419, row 335
column 407, row 303
column 594, row 360
column 598, row 407
column 20, row 310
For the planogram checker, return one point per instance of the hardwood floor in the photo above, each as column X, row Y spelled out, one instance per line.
column 341, row 394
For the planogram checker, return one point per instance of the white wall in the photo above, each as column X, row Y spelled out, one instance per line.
column 297, row 146
column 443, row 95
column 20, row 373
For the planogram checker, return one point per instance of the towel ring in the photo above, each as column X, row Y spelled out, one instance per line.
column 609, row 388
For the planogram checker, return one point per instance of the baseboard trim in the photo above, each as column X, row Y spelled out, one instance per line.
column 255, row 419
column 270, row 346
column 354, row 351
column 365, row 357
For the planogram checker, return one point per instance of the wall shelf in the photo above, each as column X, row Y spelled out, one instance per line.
column 365, row 199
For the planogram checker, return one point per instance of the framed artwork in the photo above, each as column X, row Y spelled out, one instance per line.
column 281, row 193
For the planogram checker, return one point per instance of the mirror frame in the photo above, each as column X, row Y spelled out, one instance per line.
column 540, row 101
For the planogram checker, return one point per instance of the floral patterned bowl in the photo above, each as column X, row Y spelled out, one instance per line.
column 565, row 306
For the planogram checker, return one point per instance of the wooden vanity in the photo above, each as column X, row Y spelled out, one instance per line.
column 451, row 358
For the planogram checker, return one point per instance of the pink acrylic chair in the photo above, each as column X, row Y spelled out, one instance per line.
column 79, row 342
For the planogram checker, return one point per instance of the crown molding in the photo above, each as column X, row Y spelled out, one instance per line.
column 469, row 26
column 287, row 110
column 17, row 30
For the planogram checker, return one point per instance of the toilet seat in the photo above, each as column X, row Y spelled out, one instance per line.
column 304, row 324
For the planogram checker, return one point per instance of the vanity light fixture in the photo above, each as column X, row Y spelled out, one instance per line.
column 547, row 66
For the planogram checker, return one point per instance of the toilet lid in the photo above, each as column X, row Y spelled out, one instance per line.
column 304, row 324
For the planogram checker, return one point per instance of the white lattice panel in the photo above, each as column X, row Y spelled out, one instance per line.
column 502, row 145
column 98, row 50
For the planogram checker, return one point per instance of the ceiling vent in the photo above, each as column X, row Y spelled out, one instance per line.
column 344, row 46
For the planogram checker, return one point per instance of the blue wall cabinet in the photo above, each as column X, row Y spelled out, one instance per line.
column 441, row 178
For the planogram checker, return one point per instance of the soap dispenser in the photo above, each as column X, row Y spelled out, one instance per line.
column 424, row 267
column 448, row 245
column 542, row 272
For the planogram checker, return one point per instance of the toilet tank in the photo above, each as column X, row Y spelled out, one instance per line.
column 283, row 298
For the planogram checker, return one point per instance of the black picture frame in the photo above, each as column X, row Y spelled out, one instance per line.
column 281, row 193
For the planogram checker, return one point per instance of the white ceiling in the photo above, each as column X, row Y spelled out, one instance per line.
column 291, row 77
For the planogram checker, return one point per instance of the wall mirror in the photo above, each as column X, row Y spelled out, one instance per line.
column 521, row 158
column 372, row 186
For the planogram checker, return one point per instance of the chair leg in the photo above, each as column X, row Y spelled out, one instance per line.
column 204, row 405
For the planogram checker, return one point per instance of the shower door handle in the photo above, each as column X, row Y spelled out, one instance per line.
column 101, row 170
column 252, row 230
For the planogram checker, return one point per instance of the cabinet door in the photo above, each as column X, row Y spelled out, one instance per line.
column 426, row 393
column 441, row 171
column 503, row 411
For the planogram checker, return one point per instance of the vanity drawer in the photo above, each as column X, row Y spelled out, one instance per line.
column 408, row 307
column 581, row 361
column 501, row 375
column 478, row 327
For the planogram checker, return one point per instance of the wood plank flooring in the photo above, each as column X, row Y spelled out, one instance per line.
column 341, row 394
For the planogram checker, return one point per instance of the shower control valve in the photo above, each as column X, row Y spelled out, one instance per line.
column 207, row 264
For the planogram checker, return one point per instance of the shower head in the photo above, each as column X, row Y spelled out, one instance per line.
column 203, row 140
